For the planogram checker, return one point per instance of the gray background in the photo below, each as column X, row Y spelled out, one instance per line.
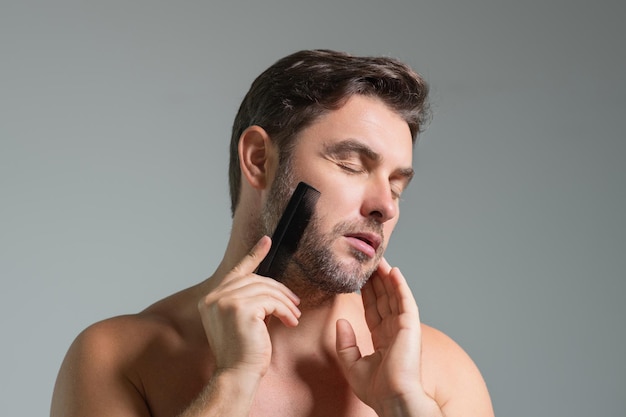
column 114, row 124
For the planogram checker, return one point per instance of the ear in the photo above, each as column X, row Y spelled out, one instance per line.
column 257, row 156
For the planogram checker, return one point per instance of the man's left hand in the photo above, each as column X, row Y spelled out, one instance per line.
column 389, row 379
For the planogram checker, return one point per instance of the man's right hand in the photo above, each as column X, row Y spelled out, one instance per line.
column 234, row 315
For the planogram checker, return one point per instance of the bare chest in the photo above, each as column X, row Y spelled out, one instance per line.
column 310, row 389
column 312, row 396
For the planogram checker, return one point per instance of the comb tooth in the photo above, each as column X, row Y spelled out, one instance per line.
column 289, row 230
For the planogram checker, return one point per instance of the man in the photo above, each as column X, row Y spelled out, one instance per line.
column 307, row 342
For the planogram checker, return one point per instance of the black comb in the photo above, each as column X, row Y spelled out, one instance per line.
column 289, row 230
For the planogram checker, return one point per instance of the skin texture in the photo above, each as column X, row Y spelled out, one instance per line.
column 240, row 344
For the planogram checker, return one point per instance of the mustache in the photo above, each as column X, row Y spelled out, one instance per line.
column 355, row 227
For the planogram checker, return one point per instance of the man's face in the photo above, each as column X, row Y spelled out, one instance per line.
column 359, row 157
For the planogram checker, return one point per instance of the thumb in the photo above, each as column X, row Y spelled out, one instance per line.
column 347, row 349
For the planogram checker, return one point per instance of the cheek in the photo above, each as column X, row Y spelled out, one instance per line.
column 338, row 202
column 330, row 211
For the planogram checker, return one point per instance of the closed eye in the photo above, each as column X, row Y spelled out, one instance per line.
column 350, row 167
column 396, row 194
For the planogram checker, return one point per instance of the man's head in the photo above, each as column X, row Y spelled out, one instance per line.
column 301, row 87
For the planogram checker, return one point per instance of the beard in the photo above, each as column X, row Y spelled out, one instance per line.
column 317, row 262
column 315, row 272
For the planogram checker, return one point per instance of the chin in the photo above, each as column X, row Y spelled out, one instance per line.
column 331, row 268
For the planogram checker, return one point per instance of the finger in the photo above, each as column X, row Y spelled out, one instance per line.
column 264, row 290
column 252, row 281
column 383, row 266
column 402, row 292
column 253, row 258
column 390, row 290
column 372, row 317
column 382, row 297
column 249, row 263
column 247, row 303
column 237, row 295
column 347, row 350
column 281, row 311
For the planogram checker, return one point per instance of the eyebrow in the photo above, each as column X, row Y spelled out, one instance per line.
column 352, row 146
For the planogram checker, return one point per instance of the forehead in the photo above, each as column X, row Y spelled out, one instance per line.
column 364, row 119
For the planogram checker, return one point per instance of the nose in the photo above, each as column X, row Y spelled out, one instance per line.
column 379, row 203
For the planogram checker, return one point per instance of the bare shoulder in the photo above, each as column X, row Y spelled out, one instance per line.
column 108, row 366
column 118, row 340
column 453, row 377
column 100, row 365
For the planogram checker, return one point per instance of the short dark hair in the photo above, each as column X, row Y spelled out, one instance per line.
column 299, row 88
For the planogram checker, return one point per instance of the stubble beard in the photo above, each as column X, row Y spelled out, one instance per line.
column 314, row 272
column 323, row 270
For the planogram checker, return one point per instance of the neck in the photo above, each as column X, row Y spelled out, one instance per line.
column 239, row 244
column 316, row 327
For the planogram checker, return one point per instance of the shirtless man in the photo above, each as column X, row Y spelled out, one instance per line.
column 307, row 343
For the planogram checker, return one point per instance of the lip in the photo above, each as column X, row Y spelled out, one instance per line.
column 366, row 242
